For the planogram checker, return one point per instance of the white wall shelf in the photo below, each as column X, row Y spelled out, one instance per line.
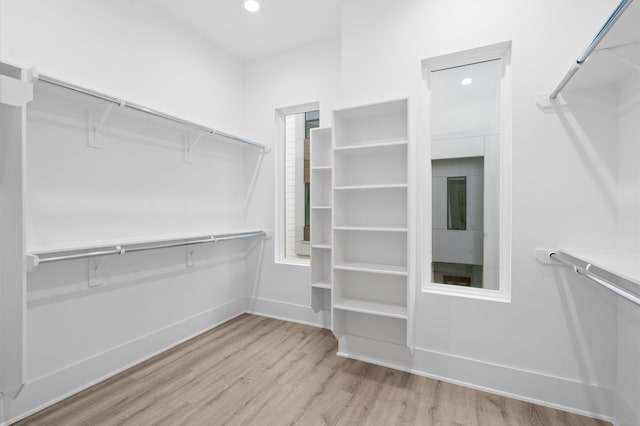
column 107, row 104
column 321, row 218
column 371, row 292
column 35, row 258
column 322, row 285
column 374, row 268
column 371, row 187
column 369, row 228
column 371, row 308
column 618, row 263
column 322, row 246
column 612, row 56
column 374, row 145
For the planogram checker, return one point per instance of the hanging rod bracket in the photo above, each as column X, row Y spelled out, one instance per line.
column 543, row 255
column 32, row 262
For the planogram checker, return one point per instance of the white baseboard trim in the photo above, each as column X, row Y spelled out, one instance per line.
column 302, row 314
column 47, row 390
column 542, row 389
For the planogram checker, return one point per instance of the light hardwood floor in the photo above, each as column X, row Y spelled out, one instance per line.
column 261, row 371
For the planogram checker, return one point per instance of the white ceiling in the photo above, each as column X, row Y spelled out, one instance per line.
column 278, row 26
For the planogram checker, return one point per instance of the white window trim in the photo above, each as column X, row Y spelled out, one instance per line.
column 279, row 193
column 500, row 51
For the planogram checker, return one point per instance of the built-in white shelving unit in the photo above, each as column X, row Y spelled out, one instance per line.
column 321, row 218
column 371, row 292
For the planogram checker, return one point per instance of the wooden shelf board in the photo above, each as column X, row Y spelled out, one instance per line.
column 371, row 267
column 321, row 207
column 366, row 187
column 321, row 168
column 369, row 228
column 322, row 284
column 371, row 308
column 372, row 145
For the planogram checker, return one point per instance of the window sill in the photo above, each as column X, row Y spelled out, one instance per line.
column 469, row 293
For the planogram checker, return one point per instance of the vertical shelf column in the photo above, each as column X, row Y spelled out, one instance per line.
column 15, row 93
column 321, row 218
column 372, row 254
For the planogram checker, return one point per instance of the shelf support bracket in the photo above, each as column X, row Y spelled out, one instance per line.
column 96, row 278
column 190, row 251
column 99, row 115
column 621, row 58
column 190, row 146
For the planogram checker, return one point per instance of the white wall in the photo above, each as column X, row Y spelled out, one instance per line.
column 136, row 187
column 547, row 344
column 295, row 77
column 627, row 388
column 549, row 332
column 126, row 49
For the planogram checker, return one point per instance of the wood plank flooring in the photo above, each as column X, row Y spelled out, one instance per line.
column 260, row 371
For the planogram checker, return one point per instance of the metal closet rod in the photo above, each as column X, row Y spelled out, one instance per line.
column 131, row 105
column 595, row 278
column 624, row 4
column 132, row 248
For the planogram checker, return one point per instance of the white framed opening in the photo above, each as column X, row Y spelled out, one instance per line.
column 465, row 174
column 291, row 150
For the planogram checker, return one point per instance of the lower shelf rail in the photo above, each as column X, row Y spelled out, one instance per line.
column 35, row 259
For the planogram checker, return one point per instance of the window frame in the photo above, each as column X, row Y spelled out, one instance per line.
column 502, row 52
column 279, row 175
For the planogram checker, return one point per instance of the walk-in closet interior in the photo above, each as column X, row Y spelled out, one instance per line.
column 339, row 211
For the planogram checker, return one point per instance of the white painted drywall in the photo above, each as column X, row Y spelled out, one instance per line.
column 563, row 180
column 137, row 186
column 295, row 77
column 627, row 387
column 126, row 49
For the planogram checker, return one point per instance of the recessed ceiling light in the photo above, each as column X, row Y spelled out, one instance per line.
column 251, row 5
column 466, row 81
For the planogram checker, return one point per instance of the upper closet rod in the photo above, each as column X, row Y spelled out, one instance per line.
column 146, row 110
column 624, row 4
column 593, row 277
column 36, row 260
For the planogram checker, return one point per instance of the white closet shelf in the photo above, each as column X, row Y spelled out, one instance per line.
column 321, row 207
column 107, row 248
column 372, row 187
column 321, row 246
column 321, row 168
column 612, row 55
column 123, row 105
column 369, row 228
column 371, row 308
column 620, row 263
column 375, row 268
column 322, row 284
column 372, row 145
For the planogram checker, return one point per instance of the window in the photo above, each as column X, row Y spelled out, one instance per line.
column 465, row 168
column 295, row 191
